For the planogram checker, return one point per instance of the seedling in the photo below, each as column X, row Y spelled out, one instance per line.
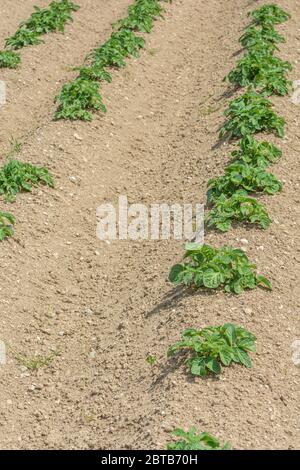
column 269, row 15
column 36, row 362
column 242, row 176
column 192, row 440
column 259, row 154
column 16, row 176
column 249, row 114
column 77, row 99
column 212, row 268
column 9, row 59
column 209, row 349
column 151, row 359
column 237, row 208
column 7, row 221
column 265, row 73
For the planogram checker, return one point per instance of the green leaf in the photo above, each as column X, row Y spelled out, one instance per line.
column 213, row 365
column 211, row 279
column 244, row 358
column 263, row 281
column 176, row 273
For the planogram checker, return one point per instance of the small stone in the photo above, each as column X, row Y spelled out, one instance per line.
column 247, row 310
column 77, row 137
column 88, row 311
column 244, row 241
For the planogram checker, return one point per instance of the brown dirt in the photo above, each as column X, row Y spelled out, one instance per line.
column 105, row 307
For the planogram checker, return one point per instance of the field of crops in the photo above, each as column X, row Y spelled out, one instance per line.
column 149, row 343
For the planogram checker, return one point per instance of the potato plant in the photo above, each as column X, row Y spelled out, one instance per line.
column 209, row 349
column 259, row 154
column 249, row 114
column 7, row 221
column 16, row 176
column 192, row 440
column 263, row 38
column 263, row 72
column 236, row 209
column 241, row 176
column 212, row 268
column 9, row 59
column 269, row 15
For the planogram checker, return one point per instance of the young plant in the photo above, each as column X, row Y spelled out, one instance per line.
column 9, row 59
column 121, row 44
column 141, row 16
column 77, row 99
column 254, row 153
column 261, row 37
column 16, row 176
column 240, row 176
column 42, row 21
column 237, row 208
column 249, row 114
column 7, row 220
column 265, row 73
column 36, row 362
column 211, row 268
column 209, row 349
column 269, row 15
column 192, row 440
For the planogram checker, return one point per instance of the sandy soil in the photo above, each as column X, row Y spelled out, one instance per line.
column 105, row 307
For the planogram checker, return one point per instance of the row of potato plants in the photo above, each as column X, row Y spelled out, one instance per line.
column 42, row 21
column 81, row 96
column 231, row 200
column 16, row 176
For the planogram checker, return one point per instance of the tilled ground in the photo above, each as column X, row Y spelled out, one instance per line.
column 105, row 307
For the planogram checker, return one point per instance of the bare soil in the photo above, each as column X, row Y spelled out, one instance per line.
column 105, row 307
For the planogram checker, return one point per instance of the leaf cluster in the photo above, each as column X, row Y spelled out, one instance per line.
column 242, row 176
column 249, row 114
column 16, row 176
column 263, row 72
column 9, row 59
column 211, row 268
column 78, row 98
column 237, row 208
column 211, row 348
column 269, row 15
column 192, row 440
column 141, row 16
column 7, row 220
